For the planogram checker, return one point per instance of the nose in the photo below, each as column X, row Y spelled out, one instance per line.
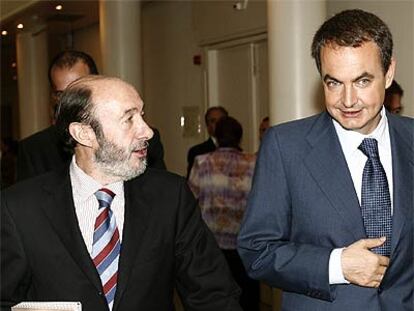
column 144, row 131
column 148, row 131
column 350, row 97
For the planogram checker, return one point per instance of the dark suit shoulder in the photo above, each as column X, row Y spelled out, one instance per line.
column 404, row 127
column 47, row 136
column 406, row 122
column 299, row 129
column 204, row 147
column 34, row 185
column 299, row 123
column 158, row 179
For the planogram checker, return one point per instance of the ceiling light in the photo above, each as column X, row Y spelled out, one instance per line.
column 4, row 33
column 20, row 26
column 59, row 7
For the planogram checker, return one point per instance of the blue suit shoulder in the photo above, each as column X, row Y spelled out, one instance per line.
column 297, row 129
column 406, row 122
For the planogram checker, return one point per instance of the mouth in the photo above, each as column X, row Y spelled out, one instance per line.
column 141, row 153
column 140, row 150
column 350, row 113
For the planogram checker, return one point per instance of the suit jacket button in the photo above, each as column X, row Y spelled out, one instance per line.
column 100, row 293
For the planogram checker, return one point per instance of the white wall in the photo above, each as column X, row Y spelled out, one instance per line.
column 221, row 20
column 87, row 40
column 399, row 16
column 171, row 80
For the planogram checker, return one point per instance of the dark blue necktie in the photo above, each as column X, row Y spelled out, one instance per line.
column 375, row 197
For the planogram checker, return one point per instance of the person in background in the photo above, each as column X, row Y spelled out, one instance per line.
column 330, row 215
column 264, row 125
column 393, row 96
column 106, row 230
column 221, row 181
column 211, row 117
column 43, row 151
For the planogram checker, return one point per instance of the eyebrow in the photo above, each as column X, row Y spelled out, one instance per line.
column 128, row 112
column 328, row 77
column 363, row 75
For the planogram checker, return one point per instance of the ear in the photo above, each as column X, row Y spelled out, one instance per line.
column 82, row 133
column 389, row 76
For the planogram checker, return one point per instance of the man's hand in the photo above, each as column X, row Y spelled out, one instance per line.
column 362, row 267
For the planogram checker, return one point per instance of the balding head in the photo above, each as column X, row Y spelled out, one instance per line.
column 101, row 118
column 79, row 101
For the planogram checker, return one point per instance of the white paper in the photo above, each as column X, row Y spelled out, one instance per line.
column 48, row 306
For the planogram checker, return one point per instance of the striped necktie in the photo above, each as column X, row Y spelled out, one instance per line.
column 106, row 245
column 375, row 197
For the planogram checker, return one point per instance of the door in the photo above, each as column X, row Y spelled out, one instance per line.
column 237, row 79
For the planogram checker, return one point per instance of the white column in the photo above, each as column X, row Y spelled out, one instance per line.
column 294, row 82
column 33, row 85
column 120, row 35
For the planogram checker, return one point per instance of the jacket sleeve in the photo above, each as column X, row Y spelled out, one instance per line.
column 204, row 281
column 265, row 241
column 14, row 271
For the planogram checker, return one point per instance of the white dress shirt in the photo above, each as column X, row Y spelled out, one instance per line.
column 356, row 159
column 86, row 204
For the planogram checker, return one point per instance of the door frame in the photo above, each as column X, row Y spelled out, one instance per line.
column 211, row 89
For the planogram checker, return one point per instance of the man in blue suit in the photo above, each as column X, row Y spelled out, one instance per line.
column 308, row 226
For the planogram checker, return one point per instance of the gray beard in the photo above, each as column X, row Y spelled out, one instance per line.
column 113, row 161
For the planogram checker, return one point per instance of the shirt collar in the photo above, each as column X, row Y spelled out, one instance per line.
column 350, row 140
column 214, row 140
column 85, row 186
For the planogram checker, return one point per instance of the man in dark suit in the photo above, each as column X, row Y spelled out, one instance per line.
column 213, row 114
column 43, row 151
column 105, row 230
column 316, row 225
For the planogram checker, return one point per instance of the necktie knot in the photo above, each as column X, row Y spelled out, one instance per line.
column 105, row 197
column 369, row 147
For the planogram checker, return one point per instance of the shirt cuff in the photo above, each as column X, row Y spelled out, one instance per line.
column 335, row 268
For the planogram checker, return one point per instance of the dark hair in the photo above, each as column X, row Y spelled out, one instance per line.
column 228, row 132
column 352, row 28
column 67, row 59
column 394, row 88
column 219, row 108
column 75, row 105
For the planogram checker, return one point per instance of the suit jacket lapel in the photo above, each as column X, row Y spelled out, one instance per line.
column 137, row 212
column 59, row 208
column 403, row 167
column 326, row 163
